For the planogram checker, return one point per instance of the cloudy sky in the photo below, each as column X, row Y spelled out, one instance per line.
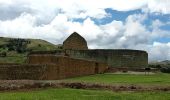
column 113, row 24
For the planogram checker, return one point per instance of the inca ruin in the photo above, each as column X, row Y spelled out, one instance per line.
column 75, row 59
column 75, row 42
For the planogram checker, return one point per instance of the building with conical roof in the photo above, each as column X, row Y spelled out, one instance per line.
column 75, row 42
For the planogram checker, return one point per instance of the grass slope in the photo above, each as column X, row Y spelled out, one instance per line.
column 37, row 44
column 34, row 45
column 79, row 94
column 154, row 79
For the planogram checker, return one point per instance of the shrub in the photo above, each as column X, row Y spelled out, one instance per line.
column 3, row 54
column 165, row 69
column 19, row 45
column 155, row 66
column 124, row 71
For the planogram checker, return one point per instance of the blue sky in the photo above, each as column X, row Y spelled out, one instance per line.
column 122, row 15
column 115, row 24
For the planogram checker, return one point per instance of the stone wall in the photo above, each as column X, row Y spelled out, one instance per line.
column 75, row 42
column 50, row 67
column 70, row 66
column 113, row 57
column 25, row 71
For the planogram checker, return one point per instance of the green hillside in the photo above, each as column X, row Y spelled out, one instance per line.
column 14, row 50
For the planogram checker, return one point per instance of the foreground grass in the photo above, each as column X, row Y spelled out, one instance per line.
column 79, row 94
column 154, row 79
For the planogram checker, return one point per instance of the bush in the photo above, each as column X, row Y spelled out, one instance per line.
column 165, row 70
column 124, row 71
column 3, row 54
column 155, row 66
column 19, row 45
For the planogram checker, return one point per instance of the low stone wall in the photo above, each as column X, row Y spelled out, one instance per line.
column 50, row 67
column 73, row 67
column 102, row 67
column 69, row 67
column 33, row 72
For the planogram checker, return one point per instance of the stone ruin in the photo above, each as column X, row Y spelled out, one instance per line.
column 74, row 60
column 75, row 42
column 76, row 47
column 51, row 67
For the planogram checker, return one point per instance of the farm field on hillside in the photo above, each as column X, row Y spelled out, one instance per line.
column 79, row 94
column 139, row 79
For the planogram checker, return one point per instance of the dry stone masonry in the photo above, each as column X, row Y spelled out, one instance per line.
column 75, row 42
column 74, row 60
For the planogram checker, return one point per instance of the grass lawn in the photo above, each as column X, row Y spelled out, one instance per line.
column 154, row 79
column 79, row 94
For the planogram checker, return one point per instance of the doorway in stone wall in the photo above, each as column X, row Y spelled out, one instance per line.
column 96, row 68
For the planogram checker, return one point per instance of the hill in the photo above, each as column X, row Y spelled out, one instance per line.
column 15, row 50
column 165, row 63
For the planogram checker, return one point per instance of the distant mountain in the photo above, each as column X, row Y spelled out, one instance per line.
column 165, row 63
column 15, row 50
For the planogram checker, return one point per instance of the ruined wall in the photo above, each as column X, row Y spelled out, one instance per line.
column 42, row 59
column 33, row 72
column 102, row 67
column 77, row 67
column 75, row 42
column 74, row 67
column 113, row 57
column 69, row 67
column 50, row 67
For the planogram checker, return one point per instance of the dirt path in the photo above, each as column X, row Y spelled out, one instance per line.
column 16, row 85
column 133, row 73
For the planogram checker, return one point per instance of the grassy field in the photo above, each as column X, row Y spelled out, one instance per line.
column 154, row 79
column 14, row 57
column 79, row 94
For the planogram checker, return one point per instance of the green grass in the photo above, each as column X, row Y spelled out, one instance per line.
column 4, row 40
column 79, row 94
column 155, row 79
column 41, row 45
column 18, row 59
column 14, row 57
column 35, row 45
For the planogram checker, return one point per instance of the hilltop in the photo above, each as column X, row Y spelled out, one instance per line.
column 15, row 50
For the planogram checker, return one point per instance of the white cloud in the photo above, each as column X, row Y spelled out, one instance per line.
column 5, row 1
column 159, row 6
column 46, row 10
column 19, row 27
column 159, row 51
column 52, row 20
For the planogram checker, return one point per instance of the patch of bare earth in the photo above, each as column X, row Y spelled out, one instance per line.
column 9, row 85
column 133, row 73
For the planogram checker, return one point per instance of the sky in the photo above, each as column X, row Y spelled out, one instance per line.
column 105, row 24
